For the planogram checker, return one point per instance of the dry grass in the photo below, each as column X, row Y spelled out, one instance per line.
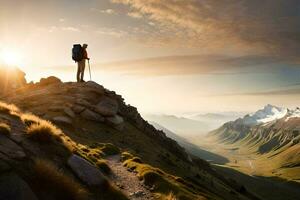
column 8, row 108
column 30, row 119
column 103, row 166
column 53, row 182
column 163, row 183
column 109, row 149
column 125, row 156
column 43, row 133
column 171, row 196
column 4, row 129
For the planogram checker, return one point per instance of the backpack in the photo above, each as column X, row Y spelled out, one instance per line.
column 77, row 53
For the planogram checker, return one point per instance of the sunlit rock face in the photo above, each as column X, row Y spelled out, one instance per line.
column 11, row 79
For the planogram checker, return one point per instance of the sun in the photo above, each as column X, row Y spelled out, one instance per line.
column 10, row 57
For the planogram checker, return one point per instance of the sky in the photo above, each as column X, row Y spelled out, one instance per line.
column 164, row 56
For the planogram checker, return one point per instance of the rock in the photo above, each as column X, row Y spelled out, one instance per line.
column 10, row 148
column 95, row 87
column 78, row 109
column 86, row 172
column 56, row 108
column 62, row 119
column 93, row 116
column 69, row 112
column 116, row 121
column 83, row 103
column 50, row 80
column 107, row 107
column 15, row 188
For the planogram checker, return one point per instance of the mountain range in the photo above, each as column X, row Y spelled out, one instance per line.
column 195, row 124
column 271, row 133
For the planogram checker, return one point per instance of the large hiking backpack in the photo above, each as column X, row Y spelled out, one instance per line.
column 77, row 53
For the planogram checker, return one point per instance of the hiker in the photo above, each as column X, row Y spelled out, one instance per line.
column 80, row 55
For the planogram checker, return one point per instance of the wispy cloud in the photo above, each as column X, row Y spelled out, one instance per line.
column 105, row 11
column 136, row 15
column 111, row 32
column 70, row 28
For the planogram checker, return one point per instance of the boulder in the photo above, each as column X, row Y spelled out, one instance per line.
column 62, row 119
column 50, row 80
column 93, row 116
column 15, row 188
column 69, row 112
column 116, row 121
column 107, row 107
column 86, row 172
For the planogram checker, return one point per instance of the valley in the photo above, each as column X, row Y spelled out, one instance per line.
column 259, row 150
column 257, row 173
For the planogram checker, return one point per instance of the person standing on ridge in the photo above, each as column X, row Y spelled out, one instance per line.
column 81, row 61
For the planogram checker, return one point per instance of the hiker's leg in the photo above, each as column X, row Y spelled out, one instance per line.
column 82, row 69
column 78, row 71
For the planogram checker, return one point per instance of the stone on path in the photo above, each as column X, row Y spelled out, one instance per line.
column 86, row 172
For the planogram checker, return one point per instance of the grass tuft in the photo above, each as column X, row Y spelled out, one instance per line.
column 110, row 149
column 51, row 180
column 42, row 133
column 8, row 108
column 103, row 166
column 29, row 119
column 125, row 156
column 45, row 132
column 171, row 196
column 4, row 129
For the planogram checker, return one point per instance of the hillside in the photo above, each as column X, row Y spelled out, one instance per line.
column 81, row 141
column 272, row 134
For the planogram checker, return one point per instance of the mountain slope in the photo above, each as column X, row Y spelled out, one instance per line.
column 272, row 133
column 98, row 124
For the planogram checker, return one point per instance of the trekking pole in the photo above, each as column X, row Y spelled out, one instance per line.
column 90, row 69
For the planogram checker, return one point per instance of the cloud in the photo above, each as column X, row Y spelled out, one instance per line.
column 106, row 11
column 294, row 91
column 111, row 32
column 70, row 28
column 269, row 27
column 136, row 15
column 199, row 64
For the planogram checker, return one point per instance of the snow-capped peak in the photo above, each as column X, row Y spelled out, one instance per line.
column 267, row 114
column 293, row 114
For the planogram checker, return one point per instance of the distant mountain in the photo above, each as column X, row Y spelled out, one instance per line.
column 271, row 131
column 215, row 120
column 193, row 124
column 191, row 148
column 180, row 125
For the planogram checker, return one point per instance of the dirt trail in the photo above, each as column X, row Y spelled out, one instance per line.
column 127, row 181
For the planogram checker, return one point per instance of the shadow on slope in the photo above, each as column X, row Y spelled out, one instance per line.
column 265, row 187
